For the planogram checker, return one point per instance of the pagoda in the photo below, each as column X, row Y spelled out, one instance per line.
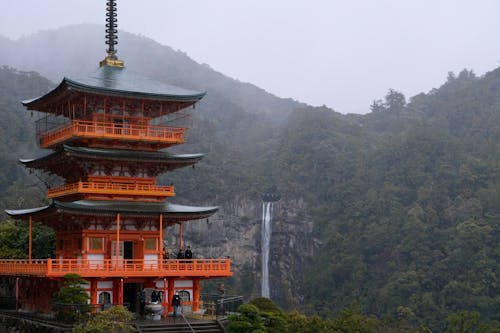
column 108, row 134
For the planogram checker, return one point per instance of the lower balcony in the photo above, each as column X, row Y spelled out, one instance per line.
column 204, row 268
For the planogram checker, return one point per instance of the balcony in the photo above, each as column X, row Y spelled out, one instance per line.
column 117, row 268
column 113, row 190
column 163, row 136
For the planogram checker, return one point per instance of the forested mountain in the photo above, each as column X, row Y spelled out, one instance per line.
column 397, row 210
column 17, row 136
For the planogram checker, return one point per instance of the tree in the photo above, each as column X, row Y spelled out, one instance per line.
column 466, row 322
column 395, row 101
column 378, row 106
column 14, row 240
column 71, row 301
column 11, row 246
column 274, row 319
column 352, row 321
column 248, row 320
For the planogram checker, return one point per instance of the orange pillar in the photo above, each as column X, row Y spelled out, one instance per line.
column 117, row 246
column 165, row 298
column 160, row 256
column 170, row 294
column 120, row 292
column 30, row 246
column 93, row 291
column 196, row 295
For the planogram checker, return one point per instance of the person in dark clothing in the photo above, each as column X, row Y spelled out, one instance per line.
column 176, row 302
column 188, row 254
column 154, row 296
column 180, row 255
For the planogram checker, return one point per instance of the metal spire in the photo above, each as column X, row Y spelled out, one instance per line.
column 111, row 36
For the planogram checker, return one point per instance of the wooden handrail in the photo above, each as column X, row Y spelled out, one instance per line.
column 112, row 188
column 106, row 130
column 113, row 267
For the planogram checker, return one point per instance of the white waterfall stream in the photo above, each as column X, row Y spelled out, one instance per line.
column 267, row 217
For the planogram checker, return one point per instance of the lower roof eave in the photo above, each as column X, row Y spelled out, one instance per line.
column 109, row 208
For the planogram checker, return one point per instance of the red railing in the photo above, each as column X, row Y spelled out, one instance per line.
column 102, row 130
column 112, row 188
column 113, row 267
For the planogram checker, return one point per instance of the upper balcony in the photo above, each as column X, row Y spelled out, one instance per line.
column 98, row 131
column 99, row 190
column 117, row 268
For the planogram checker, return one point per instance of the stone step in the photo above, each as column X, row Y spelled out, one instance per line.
column 198, row 327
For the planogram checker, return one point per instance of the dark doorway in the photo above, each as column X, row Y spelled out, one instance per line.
column 128, row 250
column 131, row 296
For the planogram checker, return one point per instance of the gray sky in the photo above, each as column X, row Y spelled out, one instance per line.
column 343, row 54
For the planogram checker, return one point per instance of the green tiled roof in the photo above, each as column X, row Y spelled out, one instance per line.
column 118, row 81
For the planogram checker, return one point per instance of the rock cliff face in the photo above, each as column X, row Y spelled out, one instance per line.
column 235, row 231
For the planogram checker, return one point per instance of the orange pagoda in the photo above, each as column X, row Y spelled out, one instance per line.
column 108, row 133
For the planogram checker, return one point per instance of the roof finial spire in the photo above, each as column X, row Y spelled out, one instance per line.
column 111, row 36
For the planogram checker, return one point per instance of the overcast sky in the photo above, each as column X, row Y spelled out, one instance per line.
column 343, row 54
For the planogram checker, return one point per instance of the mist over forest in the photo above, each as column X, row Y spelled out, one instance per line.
column 394, row 214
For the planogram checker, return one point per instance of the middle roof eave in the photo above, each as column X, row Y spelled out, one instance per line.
column 119, row 154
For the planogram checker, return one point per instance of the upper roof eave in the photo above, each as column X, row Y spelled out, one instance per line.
column 120, row 82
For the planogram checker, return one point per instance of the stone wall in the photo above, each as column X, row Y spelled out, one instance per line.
column 13, row 324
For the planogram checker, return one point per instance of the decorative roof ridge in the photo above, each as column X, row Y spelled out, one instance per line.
column 112, row 37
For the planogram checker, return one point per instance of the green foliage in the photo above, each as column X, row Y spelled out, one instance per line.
column 11, row 245
column 274, row 319
column 116, row 319
column 17, row 130
column 467, row 322
column 352, row 321
column 14, row 240
column 404, row 206
column 248, row 320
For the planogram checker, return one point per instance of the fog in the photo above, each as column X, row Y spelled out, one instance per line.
column 343, row 54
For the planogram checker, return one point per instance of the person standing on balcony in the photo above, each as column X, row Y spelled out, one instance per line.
column 180, row 255
column 165, row 253
column 176, row 302
column 188, row 254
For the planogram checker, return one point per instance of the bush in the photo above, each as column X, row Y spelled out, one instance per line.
column 116, row 319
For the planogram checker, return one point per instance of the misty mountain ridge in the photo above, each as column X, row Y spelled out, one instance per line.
column 75, row 51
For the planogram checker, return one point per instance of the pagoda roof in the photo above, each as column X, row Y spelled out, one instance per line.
column 171, row 212
column 56, row 162
column 118, row 81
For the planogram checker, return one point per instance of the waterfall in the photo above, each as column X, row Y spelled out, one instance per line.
column 267, row 216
